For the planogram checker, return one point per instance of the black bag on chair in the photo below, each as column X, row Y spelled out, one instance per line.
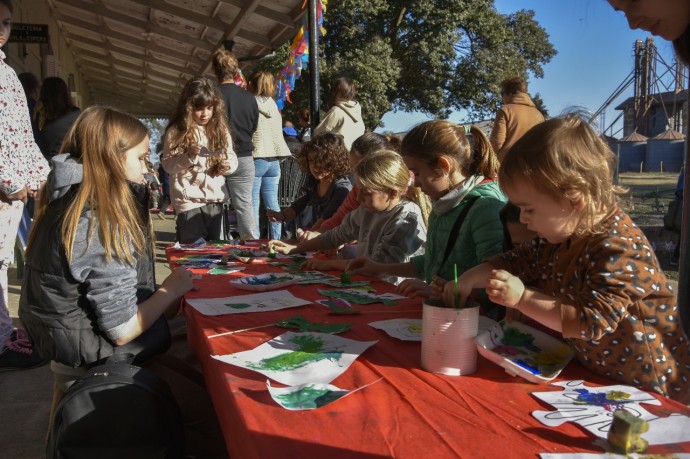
column 117, row 410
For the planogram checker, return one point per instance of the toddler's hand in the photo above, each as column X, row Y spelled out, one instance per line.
column 504, row 288
column 281, row 247
column 178, row 282
column 414, row 287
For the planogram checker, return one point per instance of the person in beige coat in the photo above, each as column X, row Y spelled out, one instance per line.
column 344, row 116
column 269, row 148
column 517, row 116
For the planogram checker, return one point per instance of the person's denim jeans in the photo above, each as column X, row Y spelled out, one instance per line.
column 266, row 180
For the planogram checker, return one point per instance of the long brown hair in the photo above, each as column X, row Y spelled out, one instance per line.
column 198, row 92
column 342, row 90
column 98, row 139
column 431, row 140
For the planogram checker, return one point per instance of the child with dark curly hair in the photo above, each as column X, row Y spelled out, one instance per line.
column 325, row 160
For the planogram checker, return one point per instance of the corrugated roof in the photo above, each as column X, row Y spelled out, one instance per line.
column 137, row 54
column 670, row 134
column 634, row 137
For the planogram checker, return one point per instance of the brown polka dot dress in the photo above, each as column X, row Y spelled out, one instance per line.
column 618, row 310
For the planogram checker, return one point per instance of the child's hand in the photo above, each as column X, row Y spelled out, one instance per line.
column 504, row 288
column 366, row 266
column 306, row 235
column 318, row 265
column 193, row 151
column 281, row 247
column 414, row 287
column 437, row 285
column 274, row 216
column 178, row 282
column 449, row 294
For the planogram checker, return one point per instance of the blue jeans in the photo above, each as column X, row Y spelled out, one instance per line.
column 266, row 179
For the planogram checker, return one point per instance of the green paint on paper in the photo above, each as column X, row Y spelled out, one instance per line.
column 357, row 298
column 310, row 349
column 309, row 398
column 347, row 284
column 304, row 325
column 239, row 305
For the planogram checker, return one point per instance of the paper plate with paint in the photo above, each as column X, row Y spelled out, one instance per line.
column 264, row 282
column 524, row 351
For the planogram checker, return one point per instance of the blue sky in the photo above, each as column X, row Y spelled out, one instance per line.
column 595, row 55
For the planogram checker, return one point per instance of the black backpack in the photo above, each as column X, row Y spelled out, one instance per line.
column 117, row 410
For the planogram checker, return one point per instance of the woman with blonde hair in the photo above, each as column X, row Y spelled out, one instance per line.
column 269, row 148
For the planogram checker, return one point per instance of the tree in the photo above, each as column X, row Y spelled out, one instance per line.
column 433, row 57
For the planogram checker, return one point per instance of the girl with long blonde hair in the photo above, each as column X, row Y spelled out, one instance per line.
column 89, row 288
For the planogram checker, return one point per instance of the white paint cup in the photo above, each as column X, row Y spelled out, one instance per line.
column 448, row 345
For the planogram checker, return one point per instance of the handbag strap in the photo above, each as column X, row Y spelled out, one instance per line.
column 453, row 235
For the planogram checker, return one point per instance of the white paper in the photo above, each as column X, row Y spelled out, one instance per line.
column 255, row 302
column 309, row 396
column 593, row 407
column 404, row 329
column 300, row 358
column 306, row 396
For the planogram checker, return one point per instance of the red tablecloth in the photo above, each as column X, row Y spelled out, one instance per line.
column 409, row 414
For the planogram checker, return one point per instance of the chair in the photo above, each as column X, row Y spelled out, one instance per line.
column 291, row 181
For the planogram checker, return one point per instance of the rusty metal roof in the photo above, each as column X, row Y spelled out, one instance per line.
column 136, row 54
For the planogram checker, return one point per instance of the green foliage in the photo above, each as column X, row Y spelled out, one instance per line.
column 541, row 106
column 156, row 127
column 433, row 57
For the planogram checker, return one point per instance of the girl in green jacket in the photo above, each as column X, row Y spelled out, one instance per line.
column 464, row 226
